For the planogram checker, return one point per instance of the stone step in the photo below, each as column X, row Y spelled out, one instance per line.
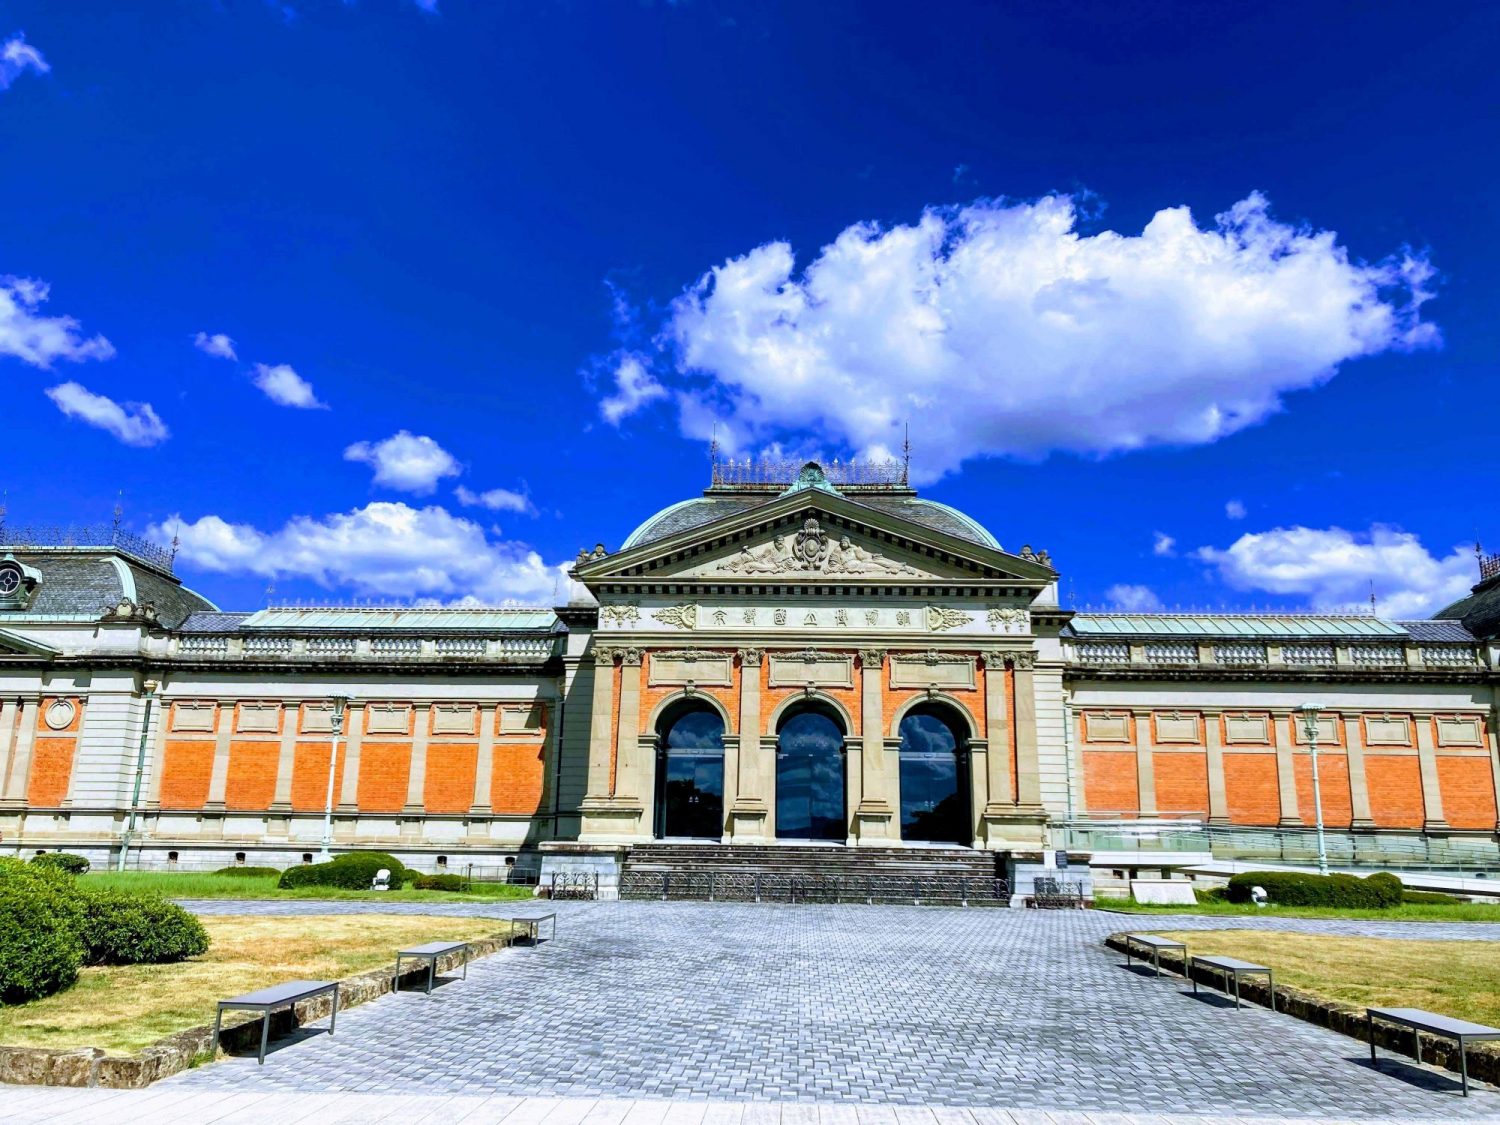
column 800, row 859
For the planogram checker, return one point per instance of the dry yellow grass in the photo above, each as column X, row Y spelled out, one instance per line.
column 124, row 1008
column 1456, row 978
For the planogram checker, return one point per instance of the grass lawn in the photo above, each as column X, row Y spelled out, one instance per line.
column 1463, row 912
column 124, row 1007
column 174, row 884
column 1456, row 978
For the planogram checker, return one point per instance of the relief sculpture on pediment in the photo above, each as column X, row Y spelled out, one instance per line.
column 811, row 550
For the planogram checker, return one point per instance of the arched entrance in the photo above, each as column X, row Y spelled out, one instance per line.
column 690, row 773
column 934, row 778
column 810, row 776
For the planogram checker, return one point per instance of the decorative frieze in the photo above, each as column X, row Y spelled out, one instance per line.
column 1107, row 726
column 1008, row 619
column 691, row 666
column 453, row 718
column 821, row 669
column 258, row 718
column 387, row 718
column 813, row 551
column 1459, row 730
column 1176, row 727
column 1387, row 730
column 193, row 717
column 951, row 671
column 1247, row 728
column 683, row 616
column 940, row 618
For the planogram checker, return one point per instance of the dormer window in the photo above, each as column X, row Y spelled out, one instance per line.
column 17, row 583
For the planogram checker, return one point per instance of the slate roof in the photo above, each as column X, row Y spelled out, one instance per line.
column 213, row 622
column 1479, row 612
column 79, row 583
column 703, row 510
column 1438, row 632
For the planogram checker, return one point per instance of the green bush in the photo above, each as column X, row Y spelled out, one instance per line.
column 1295, row 888
column 248, row 872
column 130, row 928
column 1431, row 898
column 40, row 916
column 1212, row 894
column 442, row 882
column 63, row 861
column 353, row 871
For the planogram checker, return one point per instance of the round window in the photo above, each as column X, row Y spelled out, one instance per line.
column 10, row 580
column 59, row 714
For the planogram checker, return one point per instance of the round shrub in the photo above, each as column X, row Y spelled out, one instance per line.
column 66, row 862
column 352, row 871
column 129, row 928
column 1296, row 888
column 443, row 882
column 249, row 872
column 40, row 946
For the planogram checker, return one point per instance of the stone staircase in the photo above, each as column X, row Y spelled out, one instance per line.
column 813, row 860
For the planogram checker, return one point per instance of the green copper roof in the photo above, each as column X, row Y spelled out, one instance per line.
column 1230, row 625
column 811, row 477
column 442, row 618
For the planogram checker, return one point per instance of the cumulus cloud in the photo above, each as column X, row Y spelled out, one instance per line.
column 1133, row 599
column 218, row 345
column 17, row 57
column 999, row 328
column 386, row 549
column 1235, row 510
column 134, row 423
column 405, row 461
column 36, row 339
column 635, row 386
column 1335, row 569
column 1163, row 545
column 283, row 386
column 496, row 500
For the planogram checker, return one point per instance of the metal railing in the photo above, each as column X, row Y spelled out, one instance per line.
column 83, row 536
column 734, row 886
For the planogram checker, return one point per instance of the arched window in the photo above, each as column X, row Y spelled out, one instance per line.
column 810, row 777
column 934, row 779
column 690, row 774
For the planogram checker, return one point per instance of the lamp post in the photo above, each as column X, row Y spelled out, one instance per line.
column 1310, row 712
column 340, row 703
column 140, row 769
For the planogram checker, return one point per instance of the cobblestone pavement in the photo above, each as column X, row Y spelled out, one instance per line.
column 875, row 1005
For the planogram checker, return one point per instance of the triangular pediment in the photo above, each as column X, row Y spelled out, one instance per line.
column 17, row 644
column 814, row 536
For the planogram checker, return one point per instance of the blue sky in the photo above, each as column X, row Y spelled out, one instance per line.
column 475, row 280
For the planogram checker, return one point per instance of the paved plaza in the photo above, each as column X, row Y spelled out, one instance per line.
column 896, row 1006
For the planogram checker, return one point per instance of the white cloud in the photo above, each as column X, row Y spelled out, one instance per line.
column 1000, row 329
column 1235, row 510
column 218, row 345
column 18, row 56
column 1163, row 545
column 635, row 386
column 406, row 461
column 387, row 549
column 38, row 340
column 134, row 423
column 1133, row 599
column 496, row 500
column 1334, row 569
column 285, row 387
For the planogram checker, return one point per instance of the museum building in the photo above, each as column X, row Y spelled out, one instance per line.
column 799, row 654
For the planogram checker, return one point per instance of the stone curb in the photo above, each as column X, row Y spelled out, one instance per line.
column 90, row 1066
column 1484, row 1058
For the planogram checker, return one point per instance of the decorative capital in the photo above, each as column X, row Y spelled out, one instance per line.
column 871, row 658
column 1023, row 660
column 752, row 657
column 631, row 656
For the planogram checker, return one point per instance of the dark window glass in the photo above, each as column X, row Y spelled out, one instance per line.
column 690, row 777
column 810, row 778
column 934, row 782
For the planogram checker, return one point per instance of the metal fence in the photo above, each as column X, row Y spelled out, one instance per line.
column 727, row 886
column 577, row 885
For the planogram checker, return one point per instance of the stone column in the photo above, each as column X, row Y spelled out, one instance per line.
column 633, row 776
column 416, row 778
column 286, row 760
column 873, row 789
column 601, row 725
column 1492, row 740
column 1000, row 794
column 1359, row 789
column 8, row 716
column 218, row 779
column 1028, row 764
column 1145, row 764
column 1213, row 744
column 1432, row 793
column 484, row 765
column 979, row 787
column 158, row 755
column 748, row 813
column 354, row 734
column 1286, row 771
column 19, row 779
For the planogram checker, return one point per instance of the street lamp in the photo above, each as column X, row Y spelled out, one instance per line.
column 340, row 703
column 140, row 769
column 1310, row 712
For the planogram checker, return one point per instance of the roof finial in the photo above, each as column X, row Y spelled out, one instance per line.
column 906, row 455
column 4, row 502
column 1373, row 611
column 176, row 542
column 119, row 509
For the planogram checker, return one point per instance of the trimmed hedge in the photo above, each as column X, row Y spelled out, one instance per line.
column 443, row 882
column 1295, row 888
column 248, row 872
column 1431, row 898
column 352, row 871
column 66, row 862
column 129, row 928
column 40, row 916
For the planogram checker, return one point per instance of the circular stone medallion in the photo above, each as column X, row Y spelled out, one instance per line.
column 59, row 714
